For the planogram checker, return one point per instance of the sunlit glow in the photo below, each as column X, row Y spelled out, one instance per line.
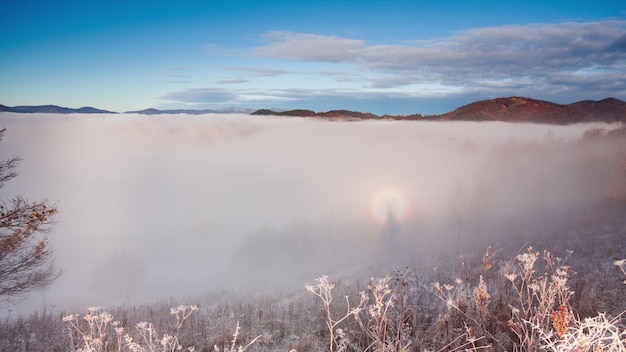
column 388, row 202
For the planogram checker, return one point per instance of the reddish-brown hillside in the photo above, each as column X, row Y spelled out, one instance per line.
column 511, row 109
column 609, row 109
column 520, row 109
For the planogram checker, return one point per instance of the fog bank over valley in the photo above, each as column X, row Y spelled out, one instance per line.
column 153, row 207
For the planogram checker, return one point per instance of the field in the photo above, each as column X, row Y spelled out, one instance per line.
column 465, row 303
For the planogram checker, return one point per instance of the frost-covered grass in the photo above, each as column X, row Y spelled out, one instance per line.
column 515, row 300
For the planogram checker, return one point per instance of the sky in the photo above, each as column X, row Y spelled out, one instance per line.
column 384, row 57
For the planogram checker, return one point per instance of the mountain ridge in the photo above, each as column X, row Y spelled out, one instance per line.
column 510, row 109
column 53, row 109
column 521, row 109
column 152, row 111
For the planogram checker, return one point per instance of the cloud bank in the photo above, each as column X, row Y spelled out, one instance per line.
column 510, row 52
column 562, row 62
column 153, row 207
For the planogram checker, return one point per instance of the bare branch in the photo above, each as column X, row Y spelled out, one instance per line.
column 26, row 261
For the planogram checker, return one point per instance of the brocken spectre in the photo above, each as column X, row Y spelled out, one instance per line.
column 388, row 202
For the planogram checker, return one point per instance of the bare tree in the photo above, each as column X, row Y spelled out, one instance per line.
column 25, row 255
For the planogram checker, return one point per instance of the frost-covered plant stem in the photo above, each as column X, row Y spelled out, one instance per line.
column 383, row 320
column 543, row 299
column 96, row 336
column 233, row 342
column 621, row 264
column 323, row 290
column 592, row 334
column 450, row 295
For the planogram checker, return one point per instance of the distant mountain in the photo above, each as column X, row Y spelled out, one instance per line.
column 192, row 112
column 333, row 114
column 512, row 109
column 53, row 109
column 520, row 109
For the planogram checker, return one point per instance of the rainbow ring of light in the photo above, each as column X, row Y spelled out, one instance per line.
column 388, row 202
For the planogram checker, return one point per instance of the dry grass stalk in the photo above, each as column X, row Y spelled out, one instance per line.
column 323, row 290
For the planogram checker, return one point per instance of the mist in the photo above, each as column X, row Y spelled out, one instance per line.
column 161, row 207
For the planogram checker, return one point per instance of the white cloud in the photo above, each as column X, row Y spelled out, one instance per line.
column 235, row 80
column 534, row 50
column 250, row 72
column 561, row 62
column 258, row 71
column 310, row 47
column 176, row 75
column 202, row 95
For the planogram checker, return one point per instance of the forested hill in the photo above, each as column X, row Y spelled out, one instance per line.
column 513, row 109
column 519, row 109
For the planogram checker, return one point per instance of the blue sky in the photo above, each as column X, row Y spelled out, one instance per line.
column 395, row 57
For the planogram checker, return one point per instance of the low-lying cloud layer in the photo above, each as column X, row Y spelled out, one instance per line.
column 174, row 206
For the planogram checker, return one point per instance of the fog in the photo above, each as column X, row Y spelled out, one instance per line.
column 160, row 207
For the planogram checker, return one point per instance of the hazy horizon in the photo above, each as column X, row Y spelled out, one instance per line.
column 173, row 110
